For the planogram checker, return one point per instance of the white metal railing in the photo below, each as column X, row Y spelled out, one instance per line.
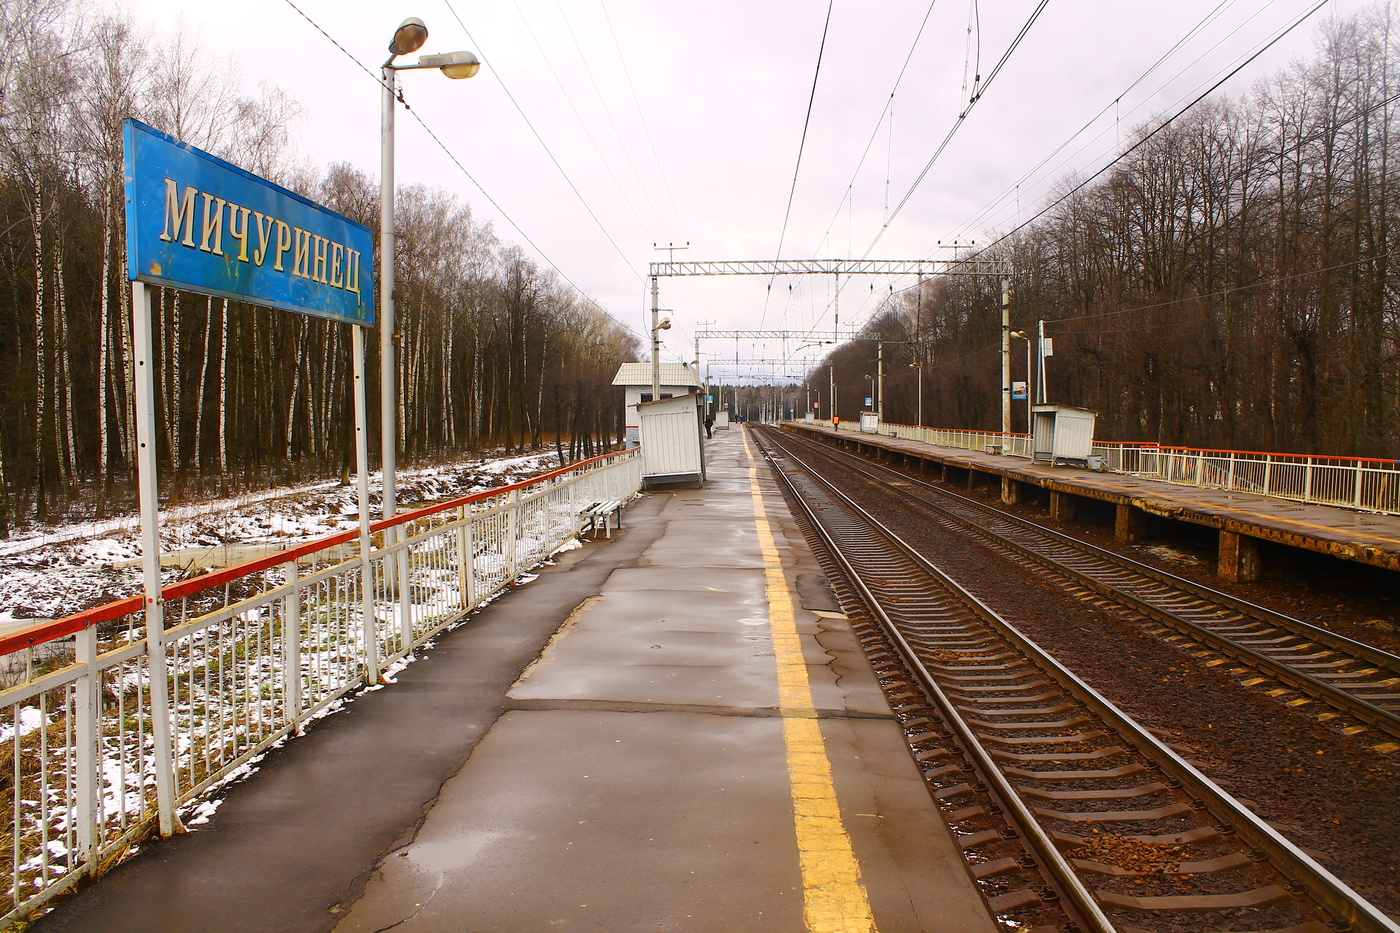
column 1351, row 482
column 1012, row 445
column 250, row 654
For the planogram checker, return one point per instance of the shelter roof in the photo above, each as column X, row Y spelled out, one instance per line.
column 672, row 374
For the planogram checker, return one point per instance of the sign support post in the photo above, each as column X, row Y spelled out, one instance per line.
column 198, row 223
column 150, row 555
column 362, row 465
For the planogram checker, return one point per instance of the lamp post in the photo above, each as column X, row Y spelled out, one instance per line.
column 871, row 389
column 880, row 381
column 409, row 37
column 656, row 328
column 1022, row 335
column 919, row 370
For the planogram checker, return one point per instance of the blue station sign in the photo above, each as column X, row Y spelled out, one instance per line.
column 195, row 222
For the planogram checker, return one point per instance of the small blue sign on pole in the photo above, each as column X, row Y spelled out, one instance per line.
column 196, row 222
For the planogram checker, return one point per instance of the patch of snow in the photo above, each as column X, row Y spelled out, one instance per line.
column 29, row 719
column 51, row 571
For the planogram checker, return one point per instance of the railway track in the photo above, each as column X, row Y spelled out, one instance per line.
column 1071, row 815
column 1302, row 662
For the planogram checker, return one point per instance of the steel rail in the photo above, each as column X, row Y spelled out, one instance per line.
column 1387, row 720
column 1348, row 909
column 1082, row 905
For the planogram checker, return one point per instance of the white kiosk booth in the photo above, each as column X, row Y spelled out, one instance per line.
column 1063, row 434
column 671, row 431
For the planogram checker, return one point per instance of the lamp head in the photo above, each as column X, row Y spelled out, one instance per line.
column 455, row 65
column 665, row 324
column 409, row 37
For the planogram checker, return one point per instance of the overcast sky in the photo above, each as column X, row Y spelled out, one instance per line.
column 681, row 122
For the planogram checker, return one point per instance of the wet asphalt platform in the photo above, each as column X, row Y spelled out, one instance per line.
column 673, row 730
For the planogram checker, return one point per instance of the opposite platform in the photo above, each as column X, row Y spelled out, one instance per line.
column 658, row 733
column 1242, row 518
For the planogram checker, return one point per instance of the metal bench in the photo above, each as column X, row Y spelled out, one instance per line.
column 607, row 511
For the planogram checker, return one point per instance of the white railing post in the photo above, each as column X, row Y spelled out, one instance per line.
column 1356, row 494
column 512, row 529
column 405, row 591
column 86, row 700
column 1268, row 473
column 464, row 559
column 291, row 646
column 1307, row 480
column 1230, row 483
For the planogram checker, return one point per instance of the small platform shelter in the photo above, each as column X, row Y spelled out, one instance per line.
column 676, row 379
column 1063, row 434
column 671, row 433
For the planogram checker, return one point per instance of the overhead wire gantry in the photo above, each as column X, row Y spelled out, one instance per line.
column 1000, row 268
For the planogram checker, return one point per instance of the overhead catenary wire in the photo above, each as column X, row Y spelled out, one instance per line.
column 1161, row 126
column 792, row 191
column 568, row 98
column 646, row 128
column 583, row 295
column 607, row 111
column 1205, row 21
column 549, row 152
column 889, row 103
column 1215, row 85
column 979, row 89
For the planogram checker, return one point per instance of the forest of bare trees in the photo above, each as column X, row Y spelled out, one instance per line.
column 1229, row 283
column 495, row 350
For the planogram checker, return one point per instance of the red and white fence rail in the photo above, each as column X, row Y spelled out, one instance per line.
column 251, row 653
column 1371, row 485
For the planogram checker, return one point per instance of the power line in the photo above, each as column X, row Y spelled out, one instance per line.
column 1163, row 125
column 607, row 111
column 645, row 127
column 978, row 89
column 455, row 161
column 800, row 147
column 584, row 126
column 1225, row 292
column 889, row 102
column 582, row 200
column 1192, row 33
column 1213, row 87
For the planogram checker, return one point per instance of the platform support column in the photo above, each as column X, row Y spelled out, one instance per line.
column 1061, row 506
column 1010, row 490
column 971, row 479
column 1239, row 557
column 1129, row 525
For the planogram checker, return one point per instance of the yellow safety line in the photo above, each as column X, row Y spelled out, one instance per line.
column 834, row 900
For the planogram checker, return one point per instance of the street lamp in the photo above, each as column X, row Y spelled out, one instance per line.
column 1022, row 335
column 409, row 37
column 871, row 389
column 920, row 405
column 656, row 328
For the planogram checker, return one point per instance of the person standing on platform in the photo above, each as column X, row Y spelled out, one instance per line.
column 836, row 423
column 709, row 423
